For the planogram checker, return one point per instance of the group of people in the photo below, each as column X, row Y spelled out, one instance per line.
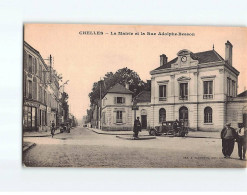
column 229, row 135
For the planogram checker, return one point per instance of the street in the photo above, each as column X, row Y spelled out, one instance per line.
column 84, row 148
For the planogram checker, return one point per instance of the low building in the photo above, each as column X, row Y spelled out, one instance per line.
column 116, row 111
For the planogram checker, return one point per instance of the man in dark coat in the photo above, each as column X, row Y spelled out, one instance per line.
column 242, row 136
column 228, row 136
column 137, row 127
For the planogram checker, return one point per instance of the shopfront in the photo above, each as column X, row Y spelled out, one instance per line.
column 30, row 116
column 42, row 117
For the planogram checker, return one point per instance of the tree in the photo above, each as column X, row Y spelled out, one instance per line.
column 122, row 76
column 65, row 106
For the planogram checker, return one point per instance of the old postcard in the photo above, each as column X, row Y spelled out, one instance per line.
column 134, row 96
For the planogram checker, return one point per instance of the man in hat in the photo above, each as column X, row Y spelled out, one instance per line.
column 137, row 127
column 242, row 136
column 228, row 136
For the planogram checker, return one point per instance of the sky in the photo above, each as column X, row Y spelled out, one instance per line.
column 85, row 58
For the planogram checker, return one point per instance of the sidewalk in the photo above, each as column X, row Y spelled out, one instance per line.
column 27, row 145
column 99, row 131
column 192, row 134
column 40, row 134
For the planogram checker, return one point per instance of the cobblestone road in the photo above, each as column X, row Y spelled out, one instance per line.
column 84, row 148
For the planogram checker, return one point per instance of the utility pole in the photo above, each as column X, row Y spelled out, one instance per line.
column 100, row 106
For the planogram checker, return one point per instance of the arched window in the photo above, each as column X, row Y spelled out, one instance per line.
column 208, row 112
column 162, row 115
column 183, row 114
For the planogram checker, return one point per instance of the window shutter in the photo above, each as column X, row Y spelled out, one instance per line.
column 123, row 100
column 115, row 100
column 25, row 60
column 24, row 84
column 33, row 92
column 124, row 117
column 114, row 117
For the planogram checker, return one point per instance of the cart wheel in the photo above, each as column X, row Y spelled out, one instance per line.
column 152, row 132
column 182, row 134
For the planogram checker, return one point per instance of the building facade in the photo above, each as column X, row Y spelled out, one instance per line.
column 40, row 92
column 195, row 87
column 198, row 88
column 116, row 111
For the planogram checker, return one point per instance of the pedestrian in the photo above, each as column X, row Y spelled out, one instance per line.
column 52, row 128
column 228, row 136
column 242, row 135
column 137, row 127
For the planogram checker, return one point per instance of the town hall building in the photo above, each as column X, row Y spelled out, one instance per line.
column 199, row 88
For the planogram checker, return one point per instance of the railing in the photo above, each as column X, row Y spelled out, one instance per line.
column 208, row 96
column 183, row 97
column 119, row 121
column 162, row 98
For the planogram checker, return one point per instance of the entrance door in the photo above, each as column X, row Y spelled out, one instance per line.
column 183, row 114
column 144, row 121
column 245, row 120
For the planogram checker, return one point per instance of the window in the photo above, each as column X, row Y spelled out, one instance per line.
column 119, row 100
column 233, row 88
column 183, row 91
column 34, row 65
column 207, row 89
column 208, row 115
column 29, row 89
column 40, row 71
column 162, row 92
column 228, row 87
column 44, row 96
column 34, row 90
column 119, row 117
column 30, row 64
column 162, row 115
column 25, row 61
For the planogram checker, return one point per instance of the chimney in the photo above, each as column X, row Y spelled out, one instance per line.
column 163, row 59
column 127, row 85
column 228, row 52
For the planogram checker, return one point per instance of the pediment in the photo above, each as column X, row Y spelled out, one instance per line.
column 183, row 78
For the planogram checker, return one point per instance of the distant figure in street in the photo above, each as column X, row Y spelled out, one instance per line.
column 242, row 136
column 175, row 126
column 137, row 127
column 52, row 128
column 228, row 136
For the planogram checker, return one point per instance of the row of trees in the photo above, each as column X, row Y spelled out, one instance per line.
column 122, row 76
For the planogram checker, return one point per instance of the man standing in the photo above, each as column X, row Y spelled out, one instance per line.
column 52, row 128
column 228, row 136
column 242, row 141
column 137, row 127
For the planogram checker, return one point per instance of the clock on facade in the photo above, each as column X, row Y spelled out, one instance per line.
column 184, row 58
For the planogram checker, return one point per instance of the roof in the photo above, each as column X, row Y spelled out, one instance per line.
column 144, row 96
column 202, row 57
column 243, row 94
column 117, row 88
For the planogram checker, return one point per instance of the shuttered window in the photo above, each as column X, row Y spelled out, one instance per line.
column 119, row 100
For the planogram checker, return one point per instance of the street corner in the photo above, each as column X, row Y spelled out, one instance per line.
column 136, row 138
column 27, row 145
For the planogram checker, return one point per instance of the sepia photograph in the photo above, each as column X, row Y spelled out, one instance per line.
column 134, row 96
